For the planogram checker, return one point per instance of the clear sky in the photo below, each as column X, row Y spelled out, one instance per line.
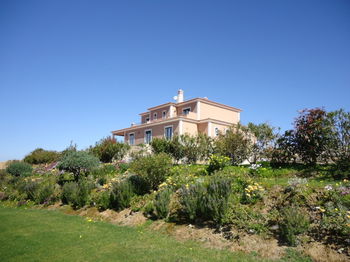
column 76, row 70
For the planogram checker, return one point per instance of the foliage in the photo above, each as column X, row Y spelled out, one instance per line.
column 101, row 199
column 41, row 156
column 103, row 173
column 285, row 149
column 161, row 203
column 153, row 168
column 338, row 149
column 294, row 222
column 17, row 168
column 139, row 184
column 217, row 162
column 236, row 144
column 78, row 162
column 121, row 195
column 108, row 149
column 252, row 193
column 206, row 200
column 76, row 194
column 264, row 138
column 311, row 135
column 160, row 145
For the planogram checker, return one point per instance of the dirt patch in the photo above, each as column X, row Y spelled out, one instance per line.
column 322, row 253
column 3, row 165
column 125, row 217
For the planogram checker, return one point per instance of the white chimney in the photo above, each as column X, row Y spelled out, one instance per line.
column 180, row 96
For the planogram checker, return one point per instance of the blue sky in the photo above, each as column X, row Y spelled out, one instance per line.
column 76, row 70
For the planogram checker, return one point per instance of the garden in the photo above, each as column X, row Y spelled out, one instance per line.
column 273, row 196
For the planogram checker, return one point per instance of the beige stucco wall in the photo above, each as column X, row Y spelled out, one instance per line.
column 189, row 128
column 203, row 128
column 157, row 131
column 222, row 128
column 218, row 113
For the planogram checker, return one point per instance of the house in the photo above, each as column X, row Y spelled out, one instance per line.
column 198, row 115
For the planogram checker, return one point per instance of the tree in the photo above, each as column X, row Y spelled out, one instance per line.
column 78, row 162
column 108, row 149
column 264, row 138
column 41, row 156
column 236, row 144
column 285, row 148
column 311, row 135
column 338, row 148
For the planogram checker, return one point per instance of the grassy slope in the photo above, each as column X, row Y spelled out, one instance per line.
column 41, row 235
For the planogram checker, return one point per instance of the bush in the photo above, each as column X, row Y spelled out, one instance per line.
column 45, row 193
column 161, row 203
column 102, row 200
column 41, row 156
column 108, row 149
column 76, row 194
column 103, row 173
column 121, row 195
column 78, row 162
column 206, row 200
column 139, row 184
column 19, row 169
column 217, row 162
column 293, row 223
column 153, row 169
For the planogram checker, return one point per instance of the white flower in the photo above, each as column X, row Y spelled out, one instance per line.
column 328, row 187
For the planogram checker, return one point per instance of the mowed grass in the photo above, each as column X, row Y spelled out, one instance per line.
column 43, row 235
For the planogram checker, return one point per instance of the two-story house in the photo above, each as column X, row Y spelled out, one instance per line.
column 198, row 115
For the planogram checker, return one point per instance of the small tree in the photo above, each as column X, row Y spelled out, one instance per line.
column 78, row 162
column 338, row 148
column 285, row 149
column 17, row 168
column 236, row 144
column 264, row 140
column 109, row 149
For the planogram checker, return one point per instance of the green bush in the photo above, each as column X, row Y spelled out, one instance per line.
column 45, row 193
column 139, row 184
column 102, row 200
column 76, row 194
column 121, row 195
column 293, row 223
column 41, row 156
column 78, row 162
column 206, row 200
column 161, row 203
column 160, row 145
column 17, row 168
column 103, row 173
column 217, row 162
column 108, row 149
column 153, row 168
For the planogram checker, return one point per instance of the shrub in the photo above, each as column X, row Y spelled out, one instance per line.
column 19, row 169
column 121, row 195
column 217, row 162
column 78, row 162
column 139, row 184
column 160, row 145
column 45, row 193
column 103, row 173
column 161, row 203
column 293, row 223
column 76, row 194
column 109, row 149
column 153, row 169
column 206, row 200
column 235, row 144
column 102, row 200
column 41, row 156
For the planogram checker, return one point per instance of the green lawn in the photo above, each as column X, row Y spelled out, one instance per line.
column 42, row 235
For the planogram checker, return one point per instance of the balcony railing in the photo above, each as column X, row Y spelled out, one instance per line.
column 190, row 115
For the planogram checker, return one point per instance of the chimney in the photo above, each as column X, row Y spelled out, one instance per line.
column 180, row 96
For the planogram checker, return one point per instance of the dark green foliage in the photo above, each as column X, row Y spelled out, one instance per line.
column 103, row 172
column 18, row 168
column 236, row 144
column 207, row 201
column 153, row 169
column 121, row 195
column 41, row 156
column 139, row 184
column 285, row 150
column 311, row 135
column 76, row 194
column 109, row 149
column 78, row 162
column 293, row 223
column 45, row 193
column 160, row 145
column 122, row 167
column 161, row 203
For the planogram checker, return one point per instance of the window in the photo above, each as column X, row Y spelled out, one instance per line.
column 148, row 136
column 216, row 131
column 155, row 116
column 147, row 119
column 164, row 114
column 168, row 132
column 186, row 111
column 131, row 139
